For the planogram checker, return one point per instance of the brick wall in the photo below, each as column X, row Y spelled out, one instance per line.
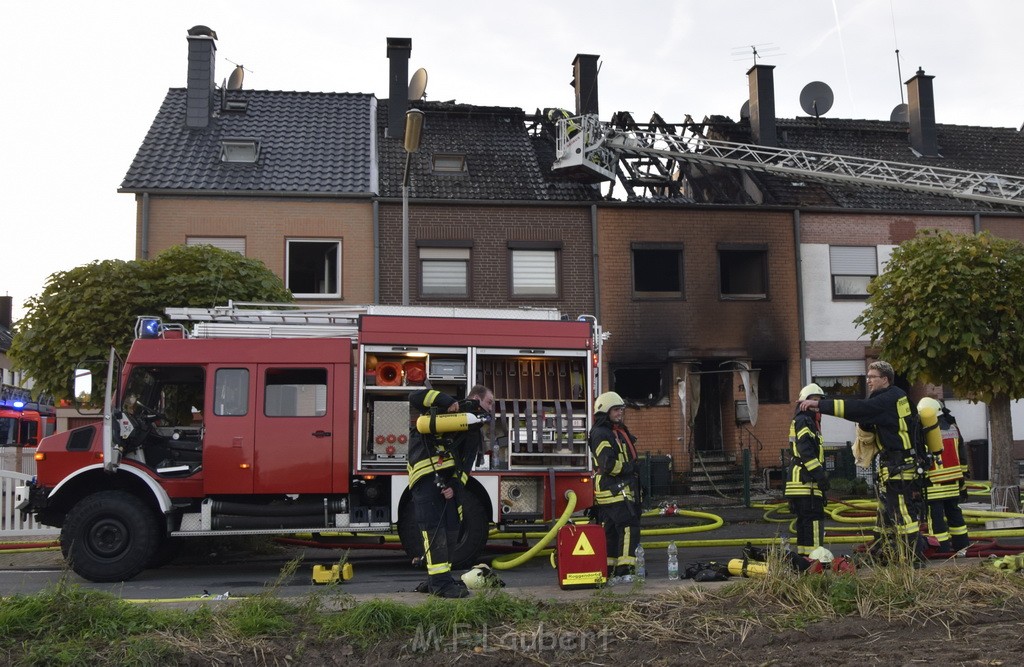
column 841, row 228
column 490, row 227
column 266, row 223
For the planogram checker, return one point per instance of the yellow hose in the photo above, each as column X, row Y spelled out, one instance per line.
column 507, row 563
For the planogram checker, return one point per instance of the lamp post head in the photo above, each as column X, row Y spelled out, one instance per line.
column 413, row 130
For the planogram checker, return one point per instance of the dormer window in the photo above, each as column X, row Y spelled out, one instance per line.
column 244, row 151
column 449, row 163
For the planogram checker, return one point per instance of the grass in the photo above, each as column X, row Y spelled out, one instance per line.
column 65, row 625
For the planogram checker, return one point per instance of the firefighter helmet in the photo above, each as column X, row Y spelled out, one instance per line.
column 822, row 555
column 810, row 390
column 929, row 402
column 481, row 576
column 608, row 400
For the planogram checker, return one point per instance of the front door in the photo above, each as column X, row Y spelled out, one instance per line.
column 294, row 429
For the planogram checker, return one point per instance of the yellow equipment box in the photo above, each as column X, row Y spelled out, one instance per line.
column 324, row 574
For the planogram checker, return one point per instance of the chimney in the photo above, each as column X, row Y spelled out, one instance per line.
column 762, row 105
column 6, row 311
column 922, row 114
column 202, row 51
column 584, row 80
column 399, row 49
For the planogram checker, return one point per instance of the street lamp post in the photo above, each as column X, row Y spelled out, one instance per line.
column 413, row 132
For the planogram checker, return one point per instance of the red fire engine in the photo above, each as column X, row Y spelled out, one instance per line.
column 285, row 420
column 24, row 421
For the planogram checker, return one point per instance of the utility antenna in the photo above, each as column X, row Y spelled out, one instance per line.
column 766, row 50
column 237, row 74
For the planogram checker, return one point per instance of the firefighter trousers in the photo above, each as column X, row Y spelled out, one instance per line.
column 810, row 523
column 439, row 521
column 900, row 510
column 946, row 524
column 621, row 523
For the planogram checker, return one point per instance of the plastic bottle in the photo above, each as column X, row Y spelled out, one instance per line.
column 641, row 564
column 673, row 561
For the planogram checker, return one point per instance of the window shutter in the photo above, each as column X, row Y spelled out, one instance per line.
column 853, row 260
column 533, row 272
column 232, row 244
column 838, row 368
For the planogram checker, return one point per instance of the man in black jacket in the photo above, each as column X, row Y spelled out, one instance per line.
column 888, row 414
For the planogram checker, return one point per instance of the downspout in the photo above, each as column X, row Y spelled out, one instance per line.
column 804, row 361
column 144, row 241
column 977, row 223
column 376, row 251
column 593, row 254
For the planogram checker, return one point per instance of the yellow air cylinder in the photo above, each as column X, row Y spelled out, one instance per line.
column 741, row 567
column 930, row 424
column 449, row 422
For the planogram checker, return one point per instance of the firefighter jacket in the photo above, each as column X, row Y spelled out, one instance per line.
column 888, row 414
column 613, row 449
column 441, row 454
column 946, row 473
column 807, row 470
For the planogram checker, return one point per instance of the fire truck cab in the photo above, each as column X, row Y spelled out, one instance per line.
column 218, row 431
column 24, row 421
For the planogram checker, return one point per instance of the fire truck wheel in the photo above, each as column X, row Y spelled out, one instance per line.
column 109, row 536
column 167, row 550
column 472, row 538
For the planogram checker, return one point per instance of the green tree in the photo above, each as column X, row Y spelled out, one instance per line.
column 949, row 310
column 84, row 311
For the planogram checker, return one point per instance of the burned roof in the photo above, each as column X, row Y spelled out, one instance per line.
column 502, row 161
column 308, row 143
column 968, row 148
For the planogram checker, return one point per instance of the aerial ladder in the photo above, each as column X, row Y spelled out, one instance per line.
column 591, row 151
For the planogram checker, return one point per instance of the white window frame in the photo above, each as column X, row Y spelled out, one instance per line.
column 534, row 272
column 852, row 268
column 326, row 278
column 444, row 272
column 239, row 151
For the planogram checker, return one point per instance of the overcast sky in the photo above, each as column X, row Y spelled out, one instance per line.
column 82, row 81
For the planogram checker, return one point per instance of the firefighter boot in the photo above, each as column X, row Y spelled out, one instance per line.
column 961, row 542
column 915, row 550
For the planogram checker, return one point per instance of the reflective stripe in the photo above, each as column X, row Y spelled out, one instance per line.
column 421, row 469
column 431, row 396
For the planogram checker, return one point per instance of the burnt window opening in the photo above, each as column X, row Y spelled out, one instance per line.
column 743, row 273
column 772, row 382
column 657, row 271
column 638, row 385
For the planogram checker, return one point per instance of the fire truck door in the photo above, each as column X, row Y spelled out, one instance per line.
column 294, row 429
column 228, row 422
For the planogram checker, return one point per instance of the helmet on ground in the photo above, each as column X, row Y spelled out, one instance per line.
column 481, row 576
column 929, row 402
column 607, row 401
column 810, row 390
column 822, row 555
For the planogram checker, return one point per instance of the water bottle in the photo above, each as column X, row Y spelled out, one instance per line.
column 641, row 564
column 673, row 561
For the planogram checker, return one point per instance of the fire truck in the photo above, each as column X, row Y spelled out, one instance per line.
column 24, row 420
column 281, row 420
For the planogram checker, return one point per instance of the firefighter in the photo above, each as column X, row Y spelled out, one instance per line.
column 616, row 485
column 439, row 467
column 807, row 481
column 946, row 483
column 888, row 413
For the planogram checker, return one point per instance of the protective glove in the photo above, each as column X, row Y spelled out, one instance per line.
column 820, row 478
column 823, row 485
column 963, row 492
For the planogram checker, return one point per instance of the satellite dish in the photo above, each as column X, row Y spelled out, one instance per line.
column 900, row 114
column 816, row 98
column 745, row 110
column 418, row 84
column 235, row 80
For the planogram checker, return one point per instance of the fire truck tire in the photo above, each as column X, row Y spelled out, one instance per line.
column 472, row 538
column 167, row 550
column 109, row 536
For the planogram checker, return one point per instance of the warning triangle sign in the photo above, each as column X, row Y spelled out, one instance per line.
column 583, row 547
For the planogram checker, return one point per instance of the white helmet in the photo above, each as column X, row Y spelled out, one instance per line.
column 481, row 576
column 821, row 554
column 929, row 402
column 810, row 390
column 608, row 400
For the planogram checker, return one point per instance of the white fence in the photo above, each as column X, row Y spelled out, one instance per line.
column 12, row 524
